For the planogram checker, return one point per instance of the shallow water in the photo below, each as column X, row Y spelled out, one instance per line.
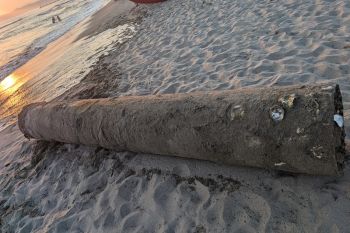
column 66, row 63
column 24, row 36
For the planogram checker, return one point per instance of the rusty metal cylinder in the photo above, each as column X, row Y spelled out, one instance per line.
column 296, row 129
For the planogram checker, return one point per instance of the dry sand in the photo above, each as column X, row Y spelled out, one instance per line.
column 185, row 46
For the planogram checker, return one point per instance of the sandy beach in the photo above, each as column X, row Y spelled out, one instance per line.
column 176, row 46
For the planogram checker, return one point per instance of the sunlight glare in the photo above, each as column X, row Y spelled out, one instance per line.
column 8, row 82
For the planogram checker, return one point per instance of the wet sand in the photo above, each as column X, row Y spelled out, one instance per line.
column 114, row 13
column 185, row 46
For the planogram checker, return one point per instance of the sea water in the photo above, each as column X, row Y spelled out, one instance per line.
column 24, row 36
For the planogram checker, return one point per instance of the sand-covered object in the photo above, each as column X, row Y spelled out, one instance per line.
column 285, row 128
column 147, row 1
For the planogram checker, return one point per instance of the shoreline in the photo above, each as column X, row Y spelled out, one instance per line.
column 39, row 44
column 47, row 76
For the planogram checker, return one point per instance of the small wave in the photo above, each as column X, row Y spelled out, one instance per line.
column 18, row 51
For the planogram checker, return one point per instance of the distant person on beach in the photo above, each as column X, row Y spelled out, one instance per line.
column 56, row 17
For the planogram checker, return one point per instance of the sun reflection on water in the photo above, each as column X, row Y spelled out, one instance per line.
column 11, row 100
column 8, row 82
